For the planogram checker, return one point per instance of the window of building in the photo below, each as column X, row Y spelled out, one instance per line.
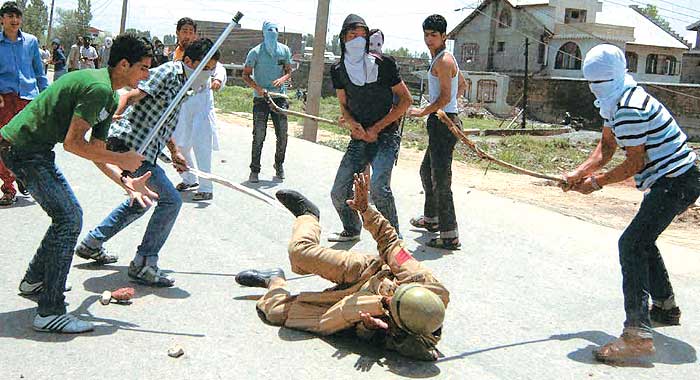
column 573, row 16
column 632, row 60
column 568, row 57
column 486, row 91
column 469, row 52
column 505, row 20
column 501, row 47
column 652, row 63
column 671, row 65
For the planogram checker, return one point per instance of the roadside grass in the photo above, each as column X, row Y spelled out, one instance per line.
column 550, row 155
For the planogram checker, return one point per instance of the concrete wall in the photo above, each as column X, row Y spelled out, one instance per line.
column 690, row 69
column 550, row 98
column 644, row 51
column 240, row 41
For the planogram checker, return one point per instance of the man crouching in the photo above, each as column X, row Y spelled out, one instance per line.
column 391, row 297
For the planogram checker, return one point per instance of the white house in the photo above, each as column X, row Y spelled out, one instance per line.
column 560, row 33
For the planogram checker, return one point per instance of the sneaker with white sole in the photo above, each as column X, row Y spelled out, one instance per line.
column 62, row 324
column 27, row 288
column 344, row 236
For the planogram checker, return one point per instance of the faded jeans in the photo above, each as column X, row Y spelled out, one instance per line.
column 51, row 191
column 159, row 226
column 381, row 155
column 643, row 271
column 261, row 112
column 436, row 176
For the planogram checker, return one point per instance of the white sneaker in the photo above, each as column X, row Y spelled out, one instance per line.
column 65, row 324
column 28, row 289
column 344, row 236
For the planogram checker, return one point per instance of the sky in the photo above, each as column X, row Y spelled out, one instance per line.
column 400, row 20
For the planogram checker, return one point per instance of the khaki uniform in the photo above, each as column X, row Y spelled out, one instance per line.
column 362, row 279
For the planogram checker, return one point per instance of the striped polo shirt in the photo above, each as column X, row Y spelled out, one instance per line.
column 640, row 119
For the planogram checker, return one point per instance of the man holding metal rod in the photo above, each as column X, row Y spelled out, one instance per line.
column 65, row 112
column 268, row 68
column 139, row 111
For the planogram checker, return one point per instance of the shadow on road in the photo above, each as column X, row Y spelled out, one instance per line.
column 119, row 279
column 17, row 325
column 369, row 354
column 668, row 350
column 22, row 201
column 425, row 253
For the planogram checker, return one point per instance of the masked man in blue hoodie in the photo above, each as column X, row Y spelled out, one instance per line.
column 267, row 69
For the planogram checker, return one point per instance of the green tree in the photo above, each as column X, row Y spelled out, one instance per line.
column 72, row 23
column 400, row 52
column 169, row 39
column 653, row 12
column 139, row 33
column 308, row 40
column 334, row 44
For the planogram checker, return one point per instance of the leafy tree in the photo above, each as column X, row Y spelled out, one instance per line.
column 308, row 40
column 73, row 23
column 334, row 44
column 35, row 18
column 139, row 33
column 653, row 12
column 169, row 39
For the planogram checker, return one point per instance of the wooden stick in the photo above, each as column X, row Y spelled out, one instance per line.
column 277, row 109
column 485, row 156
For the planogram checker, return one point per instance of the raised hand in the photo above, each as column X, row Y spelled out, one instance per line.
column 373, row 323
column 360, row 198
column 138, row 191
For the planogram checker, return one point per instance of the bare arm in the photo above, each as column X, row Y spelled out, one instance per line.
column 94, row 150
column 462, row 85
column 248, row 79
column 131, row 97
column 287, row 74
column 600, row 156
column 357, row 132
column 397, row 111
column 445, row 69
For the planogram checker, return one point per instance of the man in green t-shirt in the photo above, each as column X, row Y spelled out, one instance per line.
column 63, row 113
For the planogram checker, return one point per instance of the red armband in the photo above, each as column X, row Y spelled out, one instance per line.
column 403, row 256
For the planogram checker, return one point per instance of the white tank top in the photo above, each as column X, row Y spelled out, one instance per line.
column 434, row 87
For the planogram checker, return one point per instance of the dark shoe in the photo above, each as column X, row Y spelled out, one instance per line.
column 627, row 346
column 279, row 171
column 298, row 204
column 7, row 200
column 100, row 256
column 420, row 222
column 344, row 236
column 670, row 317
column 201, row 196
column 449, row 244
column 22, row 189
column 185, row 186
column 259, row 279
column 253, row 178
column 149, row 276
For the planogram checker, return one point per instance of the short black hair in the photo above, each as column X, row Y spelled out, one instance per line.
column 199, row 48
column 10, row 7
column 436, row 23
column 129, row 47
column 186, row 21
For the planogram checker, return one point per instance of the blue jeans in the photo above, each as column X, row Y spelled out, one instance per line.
column 381, row 155
column 51, row 191
column 159, row 226
column 643, row 271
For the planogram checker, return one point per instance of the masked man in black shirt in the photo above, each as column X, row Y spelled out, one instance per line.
column 366, row 85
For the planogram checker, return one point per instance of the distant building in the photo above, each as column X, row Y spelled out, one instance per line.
column 690, row 72
column 561, row 33
column 240, row 41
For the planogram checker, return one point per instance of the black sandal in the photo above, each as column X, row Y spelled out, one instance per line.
column 452, row 244
column 420, row 222
column 185, row 186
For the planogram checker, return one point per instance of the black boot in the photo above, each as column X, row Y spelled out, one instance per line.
column 298, row 204
column 259, row 278
column 670, row 317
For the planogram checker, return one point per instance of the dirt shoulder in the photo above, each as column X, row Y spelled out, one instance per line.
column 614, row 206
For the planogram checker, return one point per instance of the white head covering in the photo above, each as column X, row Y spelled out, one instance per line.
column 361, row 67
column 607, row 63
column 376, row 41
column 108, row 42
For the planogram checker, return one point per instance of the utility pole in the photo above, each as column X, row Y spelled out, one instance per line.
column 313, row 103
column 48, row 32
column 122, row 26
column 527, row 45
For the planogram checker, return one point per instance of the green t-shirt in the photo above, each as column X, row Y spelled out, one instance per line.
column 44, row 122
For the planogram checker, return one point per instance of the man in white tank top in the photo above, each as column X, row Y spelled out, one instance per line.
column 445, row 83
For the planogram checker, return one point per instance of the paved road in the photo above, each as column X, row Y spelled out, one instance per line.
column 532, row 291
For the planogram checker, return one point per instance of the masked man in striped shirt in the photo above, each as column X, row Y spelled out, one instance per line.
column 662, row 163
